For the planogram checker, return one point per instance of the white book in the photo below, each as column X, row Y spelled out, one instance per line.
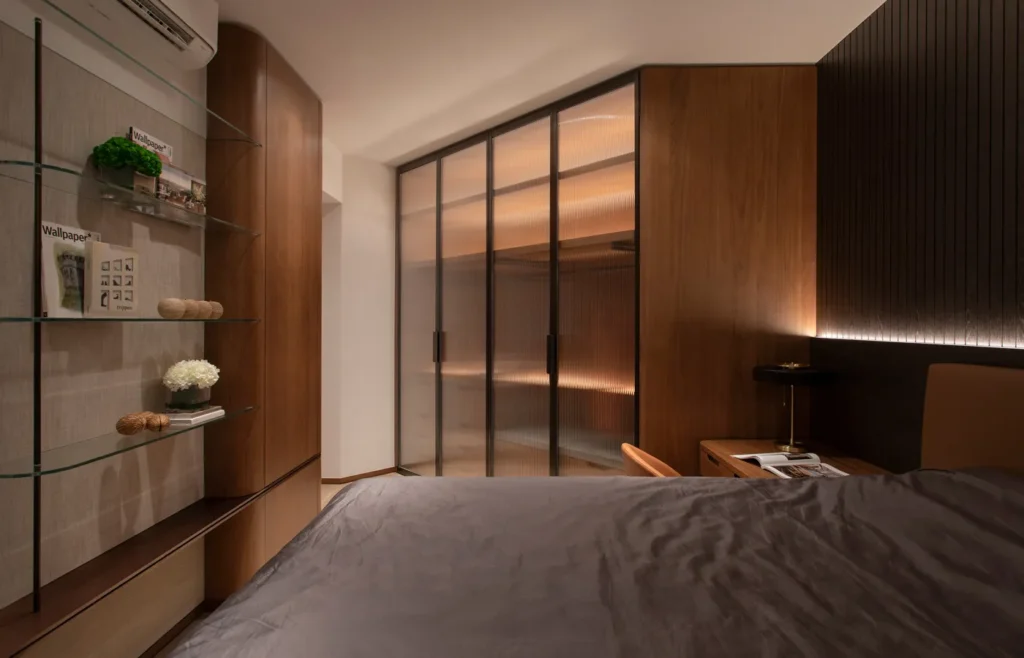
column 793, row 465
column 184, row 420
column 63, row 263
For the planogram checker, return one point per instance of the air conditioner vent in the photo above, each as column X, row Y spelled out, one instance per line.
column 167, row 26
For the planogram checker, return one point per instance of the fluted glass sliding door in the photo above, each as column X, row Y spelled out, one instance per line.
column 596, row 283
column 464, row 312
column 418, row 309
column 522, row 282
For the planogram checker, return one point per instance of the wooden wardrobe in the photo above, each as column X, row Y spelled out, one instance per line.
column 608, row 269
column 276, row 189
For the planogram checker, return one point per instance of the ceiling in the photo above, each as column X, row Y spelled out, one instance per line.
column 399, row 78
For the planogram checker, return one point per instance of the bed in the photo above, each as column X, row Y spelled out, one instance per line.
column 929, row 563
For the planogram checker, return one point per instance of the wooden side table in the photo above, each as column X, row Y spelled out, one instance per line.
column 717, row 460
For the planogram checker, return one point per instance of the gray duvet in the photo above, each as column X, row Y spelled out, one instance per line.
column 925, row 564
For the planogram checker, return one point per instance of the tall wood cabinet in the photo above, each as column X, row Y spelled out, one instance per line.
column 275, row 277
column 607, row 270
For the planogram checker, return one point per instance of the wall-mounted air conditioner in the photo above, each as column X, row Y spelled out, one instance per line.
column 181, row 34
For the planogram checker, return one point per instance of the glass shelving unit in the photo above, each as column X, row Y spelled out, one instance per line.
column 50, row 185
column 91, row 450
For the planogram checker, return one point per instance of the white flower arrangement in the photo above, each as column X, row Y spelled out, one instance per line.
column 193, row 372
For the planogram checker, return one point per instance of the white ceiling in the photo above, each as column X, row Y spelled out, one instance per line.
column 399, row 78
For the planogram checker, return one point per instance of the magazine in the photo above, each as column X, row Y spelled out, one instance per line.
column 63, row 263
column 793, row 465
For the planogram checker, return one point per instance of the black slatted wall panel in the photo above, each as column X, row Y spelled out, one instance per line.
column 919, row 230
column 920, row 237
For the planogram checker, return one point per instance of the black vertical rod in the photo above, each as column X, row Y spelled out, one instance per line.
column 636, row 259
column 398, row 320
column 554, row 308
column 439, row 324
column 37, row 327
column 489, row 338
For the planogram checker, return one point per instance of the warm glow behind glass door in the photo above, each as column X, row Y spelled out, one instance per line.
column 418, row 273
column 464, row 312
column 597, row 283
column 522, row 236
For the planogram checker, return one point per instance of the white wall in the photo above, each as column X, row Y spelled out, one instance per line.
column 358, row 322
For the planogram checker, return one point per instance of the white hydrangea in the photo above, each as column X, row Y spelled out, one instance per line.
column 193, row 372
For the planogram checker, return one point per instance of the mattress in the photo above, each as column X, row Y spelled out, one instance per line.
column 925, row 564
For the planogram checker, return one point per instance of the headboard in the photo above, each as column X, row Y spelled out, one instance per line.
column 973, row 416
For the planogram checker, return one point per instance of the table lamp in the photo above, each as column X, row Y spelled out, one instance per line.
column 790, row 375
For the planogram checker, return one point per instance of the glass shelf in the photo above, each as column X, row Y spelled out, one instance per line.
column 78, row 454
column 233, row 132
column 69, row 181
column 129, row 320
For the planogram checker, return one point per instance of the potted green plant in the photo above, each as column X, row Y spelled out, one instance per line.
column 125, row 163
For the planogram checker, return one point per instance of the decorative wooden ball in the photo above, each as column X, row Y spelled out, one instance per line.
column 205, row 310
column 218, row 310
column 191, row 309
column 130, row 424
column 157, row 422
column 171, row 308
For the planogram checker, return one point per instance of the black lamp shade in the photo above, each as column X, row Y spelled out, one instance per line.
column 790, row 374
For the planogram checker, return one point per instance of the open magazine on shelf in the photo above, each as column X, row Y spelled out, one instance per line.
column 793, row 465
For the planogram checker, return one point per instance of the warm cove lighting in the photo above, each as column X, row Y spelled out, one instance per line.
column 906, row 341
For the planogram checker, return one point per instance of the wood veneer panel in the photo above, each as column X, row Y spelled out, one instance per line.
column 727, row 244
column 235, row 552
column 293, row 260
column 290, row 506
column 78, row 589
column 235, row 264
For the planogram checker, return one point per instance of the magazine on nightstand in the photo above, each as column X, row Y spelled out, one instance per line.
column 793, row 465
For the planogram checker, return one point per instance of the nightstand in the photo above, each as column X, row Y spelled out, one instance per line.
column 716, row 459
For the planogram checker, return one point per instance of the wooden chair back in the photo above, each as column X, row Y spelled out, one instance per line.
column 639, row 463
column 973, row 416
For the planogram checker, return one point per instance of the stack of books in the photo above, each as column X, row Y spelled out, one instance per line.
column 188, row 418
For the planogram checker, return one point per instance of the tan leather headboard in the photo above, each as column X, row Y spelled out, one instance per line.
column 973, row 416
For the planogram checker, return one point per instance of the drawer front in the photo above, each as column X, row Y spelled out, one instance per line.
column 712, row 466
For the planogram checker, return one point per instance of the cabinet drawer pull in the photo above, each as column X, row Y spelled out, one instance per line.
column 711, row 458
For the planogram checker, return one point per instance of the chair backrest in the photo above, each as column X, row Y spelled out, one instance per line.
column 973, row 416
column 637, row 462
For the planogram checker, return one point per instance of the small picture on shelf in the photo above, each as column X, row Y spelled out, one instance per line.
column 129, row 264
column 129, row 296
column 106, row 302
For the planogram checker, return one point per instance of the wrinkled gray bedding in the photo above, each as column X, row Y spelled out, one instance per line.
column 924, row 564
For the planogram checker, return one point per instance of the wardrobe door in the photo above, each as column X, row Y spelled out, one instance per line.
column 522, row 281
column 418, row 319
column 597, row 306
column 464, row 312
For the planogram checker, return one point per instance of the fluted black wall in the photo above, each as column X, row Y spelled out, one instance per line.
column 919, row 235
